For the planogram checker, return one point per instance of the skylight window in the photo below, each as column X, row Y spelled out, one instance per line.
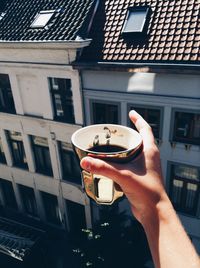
column 136, row 20
column 42, row 19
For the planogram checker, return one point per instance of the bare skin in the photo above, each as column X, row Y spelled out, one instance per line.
column 142, row 182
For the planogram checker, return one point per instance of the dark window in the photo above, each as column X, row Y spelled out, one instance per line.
column 70, row 165
column 2, row 155
column 62, row 99
column 76, row 217
column 105, row 113
column 187, row 127
column 185, row 188
column 52, row 210
column 6, row 97
column 152, row 116
column 17, row 148
column 42, row 155
column 28, row 198
column 136, row 20
column 8, row 194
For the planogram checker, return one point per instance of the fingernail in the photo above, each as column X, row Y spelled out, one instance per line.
column 132, row 112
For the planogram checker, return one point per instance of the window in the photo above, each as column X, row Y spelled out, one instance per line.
column 62, row 99
column 135, row 21
column 2, row 155
column 70, row 165
column 76, row 217
column 17, row 149
column 42, row 19
column 186, row 127
column 28, row 198
column 185, row 188
column 104, row 112
column 6, row 97
column 152, row 116
column 52, row 210
column 8, row 194
column 42, row 155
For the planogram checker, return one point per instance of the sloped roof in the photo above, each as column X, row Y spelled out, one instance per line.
column 173, row 33
column 69, row 20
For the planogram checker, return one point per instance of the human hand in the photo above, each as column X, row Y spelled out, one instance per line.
column 141, row 179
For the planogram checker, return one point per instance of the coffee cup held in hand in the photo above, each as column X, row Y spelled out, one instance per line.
column 108, row 142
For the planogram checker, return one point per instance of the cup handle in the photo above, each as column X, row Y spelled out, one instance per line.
column 100, row 188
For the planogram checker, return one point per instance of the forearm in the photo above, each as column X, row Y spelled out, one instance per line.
column 168, row 241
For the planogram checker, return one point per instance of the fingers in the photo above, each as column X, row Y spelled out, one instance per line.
column 100, row 167
column 143, row 127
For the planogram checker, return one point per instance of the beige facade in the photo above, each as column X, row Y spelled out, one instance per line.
column 29, row 66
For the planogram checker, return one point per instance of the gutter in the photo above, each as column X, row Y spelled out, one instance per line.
column 145, row 67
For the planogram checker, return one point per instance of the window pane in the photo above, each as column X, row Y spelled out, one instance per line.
column 187, row 128
column 42, row 155
column 105, row 113
column 185, row 188
column 176, row 193
column 196, row 127
column 17, row 148
column 152, row 116
column 76, row 216
column 8, row 194
column 42, row 19
column 52, row 210
column 186, row 172
column 70, row 165
column 2, row 155
column 135, row 21
column 62, row 99
column 28, row 198
column 6, row 97
column 191, row 194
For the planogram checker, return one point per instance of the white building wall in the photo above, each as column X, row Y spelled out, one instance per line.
column 29, row 66
column 168, row 91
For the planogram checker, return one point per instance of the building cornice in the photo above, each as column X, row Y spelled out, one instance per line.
column 69, row 44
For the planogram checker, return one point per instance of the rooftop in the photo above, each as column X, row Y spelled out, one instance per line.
column 172, row 33
column 69, row 19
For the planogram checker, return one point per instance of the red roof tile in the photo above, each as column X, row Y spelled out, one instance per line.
column 173, row 32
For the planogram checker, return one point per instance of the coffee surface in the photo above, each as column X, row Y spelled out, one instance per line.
column 107, row 148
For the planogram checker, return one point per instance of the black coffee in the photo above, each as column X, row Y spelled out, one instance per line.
column 107, row 148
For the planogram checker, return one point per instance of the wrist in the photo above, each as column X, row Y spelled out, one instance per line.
column 162, row 211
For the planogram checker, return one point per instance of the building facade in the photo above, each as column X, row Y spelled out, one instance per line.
column 40, row 108
column 145, row 56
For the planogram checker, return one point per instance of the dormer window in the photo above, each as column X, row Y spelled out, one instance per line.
column 42, row 19
column 135, row 21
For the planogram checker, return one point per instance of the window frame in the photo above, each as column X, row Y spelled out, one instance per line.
column 22, row 189
column 100, row 101
column 181, row 210
column 63, row 96
column 14, row 206
column 20, row 150
column 172, row 137
column 52, row 12
column 153, row 107
column 136, row 33
column 68, row 177
column 44, row 171
column 51, row 220
column 9, row 105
